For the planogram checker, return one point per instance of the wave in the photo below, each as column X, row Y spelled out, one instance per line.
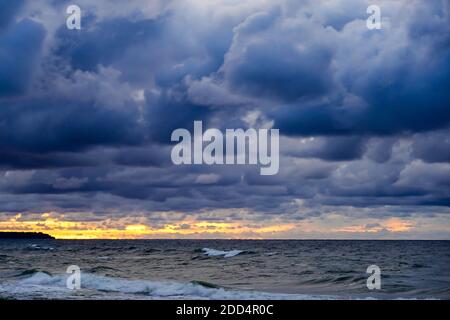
column 269, row 254
column 28, row 272
column 41, row 284
column 99, row 269
column 152, row 250
column 37, row 247
column 226, row 254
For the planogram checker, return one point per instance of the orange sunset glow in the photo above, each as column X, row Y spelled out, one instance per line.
column 122, row 228
column 117, row 229
column 391, row 225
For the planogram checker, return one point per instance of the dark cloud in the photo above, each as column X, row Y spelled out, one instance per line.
column 432, row 146
column 86, row 115
column 339, row 148
column 20, row 47
column 169, row 111
column 264, row 59
column 63, row 125
column 26, row 160
column 380, row 149
column 106, row 42
column 8, row 10
column 390, row 81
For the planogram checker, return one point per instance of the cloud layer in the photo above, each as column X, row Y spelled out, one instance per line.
column 364, row 117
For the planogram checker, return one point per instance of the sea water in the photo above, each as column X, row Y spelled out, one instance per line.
column 224, row 269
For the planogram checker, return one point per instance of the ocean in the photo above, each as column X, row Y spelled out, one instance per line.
column 224, row 269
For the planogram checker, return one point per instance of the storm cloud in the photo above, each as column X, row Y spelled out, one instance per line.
column 86, row 115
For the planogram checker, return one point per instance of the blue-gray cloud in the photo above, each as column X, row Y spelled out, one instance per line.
column 8, row 10
column 20, row 46
column 86, row 115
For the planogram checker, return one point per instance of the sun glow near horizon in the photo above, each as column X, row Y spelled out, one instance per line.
column 118, row 229
column 61, row 227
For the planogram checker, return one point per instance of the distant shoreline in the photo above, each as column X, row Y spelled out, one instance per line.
column 25, row 235
column 44, row 236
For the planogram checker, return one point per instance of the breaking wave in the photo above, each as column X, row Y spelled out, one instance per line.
column 226, row 254
column 38, row 247
column 41, row 284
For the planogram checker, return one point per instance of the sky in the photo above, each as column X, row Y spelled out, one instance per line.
column 86, row 118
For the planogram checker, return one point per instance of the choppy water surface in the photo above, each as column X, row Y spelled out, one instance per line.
column 224, row 269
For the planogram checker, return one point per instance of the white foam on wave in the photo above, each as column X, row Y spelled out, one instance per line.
column 226, row 254
column 37, row 247
column 44, row 285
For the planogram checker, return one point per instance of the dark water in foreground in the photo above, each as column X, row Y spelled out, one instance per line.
column 224, row 269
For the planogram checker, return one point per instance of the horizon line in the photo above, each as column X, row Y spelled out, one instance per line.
column 231, row 239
